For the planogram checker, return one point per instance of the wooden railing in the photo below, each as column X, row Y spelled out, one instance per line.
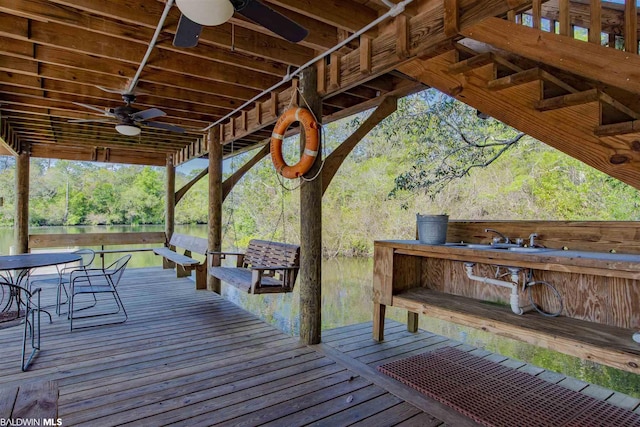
column 102, row 240
column 600, row 22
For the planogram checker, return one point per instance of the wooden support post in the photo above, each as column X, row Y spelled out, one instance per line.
column 630, row 26
column 311, row 226
column 536, row 9
column 365, row 54
column 412, row 321
column 565, row 17
column 452, row 18
column 215, row 201
column 595, row 22
column 378, row 321
column 321, row 65
column 21, row 224
column 169, row 217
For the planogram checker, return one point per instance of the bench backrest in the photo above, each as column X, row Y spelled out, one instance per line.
column 271, row 254
column 193, row 244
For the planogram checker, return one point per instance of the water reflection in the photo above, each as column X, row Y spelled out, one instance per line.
column 346, row 300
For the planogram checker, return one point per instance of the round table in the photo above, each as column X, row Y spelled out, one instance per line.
column 14, row 269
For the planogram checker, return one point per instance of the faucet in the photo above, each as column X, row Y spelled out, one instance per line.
column 491, row 230
column 532, row 238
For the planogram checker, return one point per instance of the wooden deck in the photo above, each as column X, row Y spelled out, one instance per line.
column 189, row 357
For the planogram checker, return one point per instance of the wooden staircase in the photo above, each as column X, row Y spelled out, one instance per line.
column 594, row 121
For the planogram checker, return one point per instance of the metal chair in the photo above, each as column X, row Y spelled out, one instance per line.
column 95, row 281
column 29, row 301
column 62, row 281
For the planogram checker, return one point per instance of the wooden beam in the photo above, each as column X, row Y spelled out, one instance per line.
column 617, row 129
column 182, row 191
column 214, row 236
column 310, row 276
column 570, row 100
column 231, row 181
column 467, row 65
column 527, row 76
column 333, row 162
column 451, row 18
column 594, row 62
column 609, row 100
column 349, row 16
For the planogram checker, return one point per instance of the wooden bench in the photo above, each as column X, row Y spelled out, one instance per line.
column 266, row 267
column 183, row 263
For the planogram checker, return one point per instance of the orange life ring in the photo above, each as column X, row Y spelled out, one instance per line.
column 311, row 146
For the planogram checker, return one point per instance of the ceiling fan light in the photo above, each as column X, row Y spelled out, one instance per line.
column 206, row 12
column 129, row 130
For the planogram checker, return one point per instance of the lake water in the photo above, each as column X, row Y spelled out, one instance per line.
column 346, row 300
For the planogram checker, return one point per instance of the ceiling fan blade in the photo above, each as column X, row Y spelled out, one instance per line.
column 187, row 34
column 151, row 113
column 272, row 20
column 98, row 109
column 164, row 126
column 91, row 121
column 109, row 90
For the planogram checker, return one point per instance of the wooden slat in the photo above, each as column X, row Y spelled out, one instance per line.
column 595, row 21
column 471, row 63
column 94, row 239
column 190, row 357
column 176, row 257
column 597, row 342
column 564, row 101
column 190, row 243
column 631, row 26
column 7, row 401
column 37, row 401
column 516, row 79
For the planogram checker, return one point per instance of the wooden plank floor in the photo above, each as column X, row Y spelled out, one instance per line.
column 188, row 357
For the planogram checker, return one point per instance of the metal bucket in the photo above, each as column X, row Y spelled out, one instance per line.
column 432, row 229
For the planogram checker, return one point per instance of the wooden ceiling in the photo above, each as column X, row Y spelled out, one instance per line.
column 56, row 54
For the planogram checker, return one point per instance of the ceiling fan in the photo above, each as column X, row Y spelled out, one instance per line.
column 129, row 119
column 198, row 13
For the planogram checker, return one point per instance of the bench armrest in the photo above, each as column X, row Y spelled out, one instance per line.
column 258, row 270
column 218, row 256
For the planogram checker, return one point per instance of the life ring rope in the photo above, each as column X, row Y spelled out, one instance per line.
column 312, row 142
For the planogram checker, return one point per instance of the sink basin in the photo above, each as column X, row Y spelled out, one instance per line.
column 480, row 246
column 476, row 246
column 529, row 250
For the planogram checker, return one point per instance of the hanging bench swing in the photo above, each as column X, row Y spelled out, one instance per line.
column 267, row 266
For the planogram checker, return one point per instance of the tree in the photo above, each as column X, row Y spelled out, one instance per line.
column 447, row 139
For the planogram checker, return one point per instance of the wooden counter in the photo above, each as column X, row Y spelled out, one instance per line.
column 601, row 296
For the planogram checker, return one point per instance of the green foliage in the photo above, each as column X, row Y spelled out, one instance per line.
column 433, row 155
column 446, row 140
